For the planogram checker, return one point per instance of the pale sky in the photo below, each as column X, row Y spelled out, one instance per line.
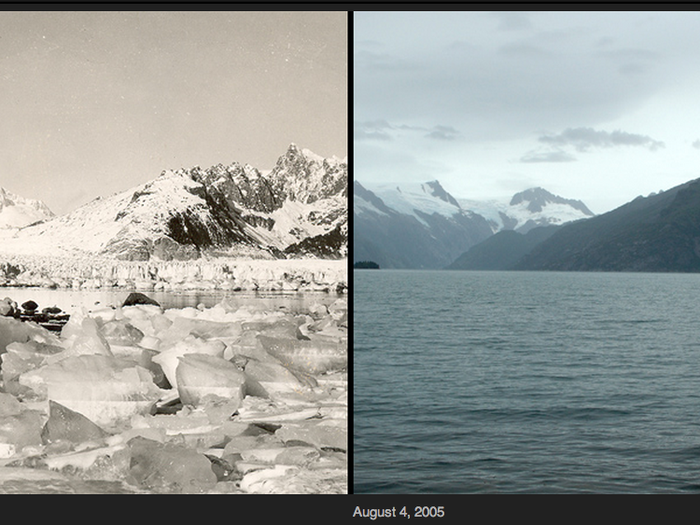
column 92, row 103
column 596, row 106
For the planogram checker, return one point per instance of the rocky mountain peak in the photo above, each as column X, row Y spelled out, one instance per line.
column 17, row 212
column 538, row 198
column 232, row 209
column 436, row 190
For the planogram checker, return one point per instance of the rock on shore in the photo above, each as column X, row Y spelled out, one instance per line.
column 218, row 400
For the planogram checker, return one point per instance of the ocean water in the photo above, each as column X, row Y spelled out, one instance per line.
column 526, row 382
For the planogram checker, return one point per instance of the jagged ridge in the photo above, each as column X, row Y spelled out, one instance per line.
column 185, row 213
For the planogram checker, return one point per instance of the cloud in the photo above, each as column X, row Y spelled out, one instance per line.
column 383, row 130
column 372, row 130
column 443, row 133
column 548, row 156
column 585, row 138
column 696, row 144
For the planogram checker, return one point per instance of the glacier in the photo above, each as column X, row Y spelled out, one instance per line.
column 228, row 274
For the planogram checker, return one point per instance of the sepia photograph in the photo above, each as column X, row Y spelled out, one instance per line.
column 174, row 252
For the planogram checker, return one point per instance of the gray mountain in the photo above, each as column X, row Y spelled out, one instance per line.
column 412, row 226
column 659, row 233
column 502, row 250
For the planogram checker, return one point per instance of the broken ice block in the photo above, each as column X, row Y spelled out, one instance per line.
column 284, row 328
column 20, row 430
column 199, row 375
column 121, row 332
column 104, row 389
column 9, row 405
column 320, row 433
column 89, row 340
column 169, row 359
column 13, row 330
column 22, row 357
column 169, row 468
column 275, row 378
column 312, row 357
column 66, row 425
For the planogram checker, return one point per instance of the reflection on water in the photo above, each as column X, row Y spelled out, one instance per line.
column 70, row 300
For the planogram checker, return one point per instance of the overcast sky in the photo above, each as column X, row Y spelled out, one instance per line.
column 597, row 106
column 92, row 103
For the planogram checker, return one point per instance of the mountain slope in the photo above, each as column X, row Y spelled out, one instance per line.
column 529, row 209
column 502, row 250
column 17, row 212
column 657, row 233
column 223, row 210
column 412, row 226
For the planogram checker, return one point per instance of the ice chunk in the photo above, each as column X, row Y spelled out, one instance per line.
column 22, row 357
column 312, row 357
column 284, row 328
column 320, row 433
column 20, row 430
column 266, row 481
column 14, row 480
column 199, row 375
column 67, row 425
column 121, row 332
column 89, row 340
column 275, row 378
column 169, row 468
column 169, row 359
column 9, row 405
column 206, row 329
column 298, row 455
column 104, row 389
column 13, row 330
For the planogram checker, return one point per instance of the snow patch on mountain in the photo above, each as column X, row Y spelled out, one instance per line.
column 528, row 209
column 413, row 199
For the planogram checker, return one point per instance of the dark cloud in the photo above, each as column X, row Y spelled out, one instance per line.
column 443, row 133
column 548, row 156
column 696, row 144
column 585, row 138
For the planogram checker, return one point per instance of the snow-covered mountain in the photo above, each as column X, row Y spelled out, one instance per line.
column 528, row 209
column 410, row 225
column 17, row 212
column 297, row 209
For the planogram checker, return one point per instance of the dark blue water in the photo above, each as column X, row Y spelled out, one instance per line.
column 510, row 382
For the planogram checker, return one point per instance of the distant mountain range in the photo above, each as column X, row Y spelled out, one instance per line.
column 298, row 209
column 423, row 226
column 658, row 233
